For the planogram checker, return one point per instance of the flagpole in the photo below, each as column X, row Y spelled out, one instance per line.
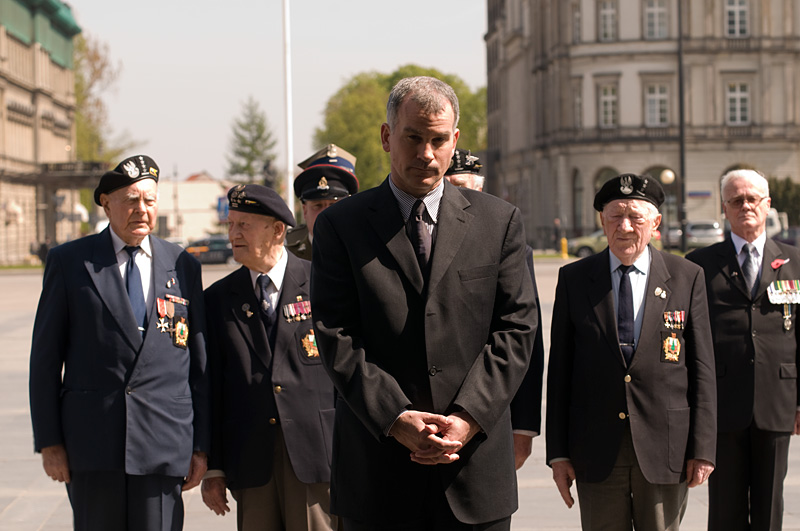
column 287, row 75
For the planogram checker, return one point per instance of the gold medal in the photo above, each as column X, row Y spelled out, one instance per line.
column 181, row 335
column 672, row 349
column 310, row 345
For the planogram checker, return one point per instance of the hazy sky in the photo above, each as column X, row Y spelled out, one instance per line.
column 187, row 67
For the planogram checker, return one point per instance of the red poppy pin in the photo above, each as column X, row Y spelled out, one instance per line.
column 778, row 262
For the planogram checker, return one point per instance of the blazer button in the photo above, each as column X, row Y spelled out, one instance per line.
column 128, row 390
column 433, row 370
column 273, row 420
column 622, row 416
column 627, row 378
column 278, row 389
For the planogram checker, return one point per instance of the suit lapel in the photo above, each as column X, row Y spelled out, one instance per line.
column 245, row 310
column 768, row 275
column 104, row 272
column 654, row 306
column 292, row 286
column 453, row 223
column 729, row 266
column 387, row 221
column 601, row 299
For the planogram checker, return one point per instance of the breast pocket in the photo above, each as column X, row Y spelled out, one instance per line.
column 478, row 273
column 307, row 346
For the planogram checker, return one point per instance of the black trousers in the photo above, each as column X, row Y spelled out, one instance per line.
column 745, row 492
column 102, row 501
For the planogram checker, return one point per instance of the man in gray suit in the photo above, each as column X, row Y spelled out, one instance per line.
column 425, row 318
column 121, row 313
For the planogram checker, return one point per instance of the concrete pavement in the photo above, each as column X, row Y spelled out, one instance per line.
column 30, row 501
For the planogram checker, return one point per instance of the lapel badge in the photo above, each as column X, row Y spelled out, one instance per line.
column 171, row 282
column 778, row 262
column 660, row 292
column 246, row 310
column 672, row 348
column 181, row 336
column 310, row 344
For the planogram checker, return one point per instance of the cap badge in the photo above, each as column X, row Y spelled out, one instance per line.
column 331, row 150
column 626, row 184
column 471, row 159
column 153, row 171
column 323, row 184
column 131, row 169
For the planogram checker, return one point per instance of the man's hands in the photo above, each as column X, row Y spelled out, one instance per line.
column 434, row 439
column 796, row 424
column 523, row 445
column 564, row 476
column 55, row 463
column 213, row 491
column 697, row 471
column 197, row 468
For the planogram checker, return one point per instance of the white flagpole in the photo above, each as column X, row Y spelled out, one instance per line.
column 287, row 73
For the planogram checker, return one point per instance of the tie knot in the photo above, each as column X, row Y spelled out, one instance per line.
column 624, row 268
column 748, row 248
column 263, row 281
column 419, row 208
column 132, row 249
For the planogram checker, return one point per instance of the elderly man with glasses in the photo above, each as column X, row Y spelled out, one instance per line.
column 751, row 283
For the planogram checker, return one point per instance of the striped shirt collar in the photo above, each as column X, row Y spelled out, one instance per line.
column 406, row 201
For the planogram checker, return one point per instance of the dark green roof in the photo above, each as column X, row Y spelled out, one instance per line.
column 48, row 22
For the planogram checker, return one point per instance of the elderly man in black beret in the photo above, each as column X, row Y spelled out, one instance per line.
column 329, row 175
column 272, row 402
column 631, row 396
column 118, row 379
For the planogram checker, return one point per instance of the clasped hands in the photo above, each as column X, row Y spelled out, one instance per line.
column 434, row 439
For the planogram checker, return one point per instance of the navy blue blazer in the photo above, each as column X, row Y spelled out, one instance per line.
column 125, row 402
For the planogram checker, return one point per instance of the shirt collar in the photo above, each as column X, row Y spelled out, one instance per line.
column 277, row 272
column 642, row 264
column 120, row 245
column 758, row 243
column 406, row 201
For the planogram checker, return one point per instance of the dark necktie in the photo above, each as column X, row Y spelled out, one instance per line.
column 625, row 314
column 419, row 235
column 749, row 268
column 133, row 280
column 267, row 311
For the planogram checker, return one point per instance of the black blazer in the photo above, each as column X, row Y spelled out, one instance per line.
column 756, row 357
column 390, row 342
column 125, row 403
column 591, row 394
column 251, row 384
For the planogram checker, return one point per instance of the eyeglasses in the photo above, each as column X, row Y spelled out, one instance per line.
column 740, row 200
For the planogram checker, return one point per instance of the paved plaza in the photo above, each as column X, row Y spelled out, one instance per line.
column 30, row 501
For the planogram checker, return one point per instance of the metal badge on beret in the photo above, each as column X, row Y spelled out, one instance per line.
column 464, row 161
column 127, row 172
column 629, row 186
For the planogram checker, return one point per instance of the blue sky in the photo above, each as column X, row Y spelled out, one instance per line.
column 188, row 66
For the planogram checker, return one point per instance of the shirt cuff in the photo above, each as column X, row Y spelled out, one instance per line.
column 214, row 474
column 557, row 460
column 529, row 433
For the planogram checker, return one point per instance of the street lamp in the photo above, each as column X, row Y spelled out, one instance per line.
column 667, row 177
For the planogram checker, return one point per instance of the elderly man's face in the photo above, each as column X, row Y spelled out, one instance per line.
column 421, row 146
column 257, row 240
column 312, row 209
column 628, row 225
column 132, row 211
column 746, row 207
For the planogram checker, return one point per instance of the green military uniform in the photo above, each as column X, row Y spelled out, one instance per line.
column 298, row 242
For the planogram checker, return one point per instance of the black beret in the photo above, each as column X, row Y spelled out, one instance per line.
column 259, row 199
column 629, row 186
column 126, row 173
column 330, row 173
column 464, row 162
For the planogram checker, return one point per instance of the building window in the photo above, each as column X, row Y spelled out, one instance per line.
column 738, row 99
column 608, row 21
column 576, row 23
column 656, row 106
column 608, row 106
column 655, row 19
column 736, row 18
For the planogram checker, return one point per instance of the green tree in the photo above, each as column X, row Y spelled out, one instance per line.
column 354, row 114
column 252, row 145
column 95, row 74
column 785, row 196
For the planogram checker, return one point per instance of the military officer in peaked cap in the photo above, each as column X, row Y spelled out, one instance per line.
column 272, row 402
column 118, row 379
column 329, row 175
column 631, row 396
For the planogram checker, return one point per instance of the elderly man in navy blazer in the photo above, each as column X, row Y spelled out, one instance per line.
column 118, row 383
column 272, row 401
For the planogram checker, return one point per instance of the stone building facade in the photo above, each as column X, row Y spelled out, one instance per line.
column 581, row 90
column 37, row 129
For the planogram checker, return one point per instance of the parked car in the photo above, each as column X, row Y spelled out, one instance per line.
column 701, row 233
column 790, row 236
column 595, row 242
column 212, row 250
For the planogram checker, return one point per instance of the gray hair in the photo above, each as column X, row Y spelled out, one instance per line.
column 427, row 92
column 752, row 176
